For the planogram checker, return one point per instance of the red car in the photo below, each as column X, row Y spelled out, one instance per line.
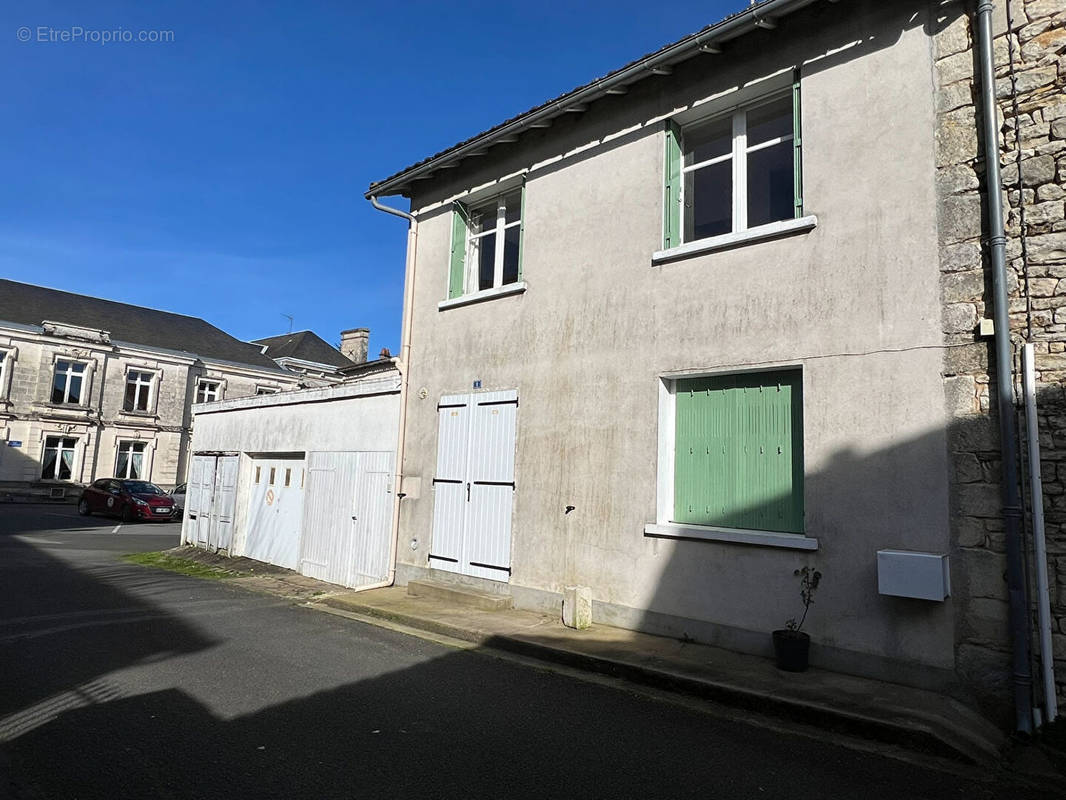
column 129, row 499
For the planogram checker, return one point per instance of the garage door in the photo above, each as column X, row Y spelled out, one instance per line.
column 347, row 517
column 275, row 510
column 210, row 501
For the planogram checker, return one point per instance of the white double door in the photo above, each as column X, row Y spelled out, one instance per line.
column 210, row 501
column 474, row 484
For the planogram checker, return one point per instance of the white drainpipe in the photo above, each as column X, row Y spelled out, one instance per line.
column 403, row 365
column 1043, row 600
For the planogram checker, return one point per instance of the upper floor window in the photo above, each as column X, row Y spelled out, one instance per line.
column 486, row 245
column 138, row 391
column 208, row 391
column 267, row 390
column 3, row 371
column 734, row 172
column 57, row 462
column 68, row 383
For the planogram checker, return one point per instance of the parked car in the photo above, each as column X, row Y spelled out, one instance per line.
column 178, row 495
column 129, row 499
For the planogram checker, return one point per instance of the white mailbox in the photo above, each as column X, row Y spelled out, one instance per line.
column 908, row 573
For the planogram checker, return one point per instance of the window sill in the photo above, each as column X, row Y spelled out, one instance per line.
column 789, row 541
column 484, row 294
column 727, row 240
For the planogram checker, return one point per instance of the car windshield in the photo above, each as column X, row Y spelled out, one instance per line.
column 141, row 487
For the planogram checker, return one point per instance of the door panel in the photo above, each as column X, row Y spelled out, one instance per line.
column 474, row 487
column 275, row 513
column 329, row 527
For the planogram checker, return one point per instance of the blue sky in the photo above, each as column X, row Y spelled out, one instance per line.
column 221, row 174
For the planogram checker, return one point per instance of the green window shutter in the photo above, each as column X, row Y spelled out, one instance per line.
column 672, row 187
column 522, row 228
column 738, row 451
column 797, row 144
column 457, row 270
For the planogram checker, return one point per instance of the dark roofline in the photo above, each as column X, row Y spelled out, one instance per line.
column 760, row 15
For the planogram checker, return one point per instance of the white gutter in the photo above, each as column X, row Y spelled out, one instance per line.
column 762, row 15
column 1036, row 489
column 403, row 364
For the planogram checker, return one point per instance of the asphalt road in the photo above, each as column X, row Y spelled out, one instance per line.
column 120, row 681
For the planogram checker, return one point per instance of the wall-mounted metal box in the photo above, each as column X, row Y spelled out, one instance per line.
column 908, row 573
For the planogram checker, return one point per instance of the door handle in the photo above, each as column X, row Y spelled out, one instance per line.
column 354, row 518
column 468, row 491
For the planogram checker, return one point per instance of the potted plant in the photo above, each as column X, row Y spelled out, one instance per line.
column 791, row 644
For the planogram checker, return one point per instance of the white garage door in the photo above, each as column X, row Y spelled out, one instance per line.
column 210, row 501
column 347, row 517
column 275, row 511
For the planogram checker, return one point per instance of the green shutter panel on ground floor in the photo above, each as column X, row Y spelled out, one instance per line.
column 457, row 269
column 672, row 187
column 738, row 457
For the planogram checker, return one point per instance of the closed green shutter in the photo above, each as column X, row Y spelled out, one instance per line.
column 738, row 451
column 672, row 187
column 457, row 271
column 797, row 145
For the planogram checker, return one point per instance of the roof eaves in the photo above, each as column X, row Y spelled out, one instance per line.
column 760, row 15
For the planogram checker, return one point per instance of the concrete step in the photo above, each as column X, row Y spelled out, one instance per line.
column 459, row 595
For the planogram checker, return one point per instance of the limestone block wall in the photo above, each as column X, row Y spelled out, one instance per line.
column 1032, row 111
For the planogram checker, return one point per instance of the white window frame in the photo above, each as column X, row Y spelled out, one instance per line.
column 7, row 363
column 83, row 399
column 201, row 387
column 59, row 455
column 739, row 156
column 150, row 386
column 664, row 488
column 473, row 265
column 146, row 458
column 263, row 390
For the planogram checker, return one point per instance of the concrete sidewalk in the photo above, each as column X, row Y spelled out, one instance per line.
column 873, row 709
column 914, row 718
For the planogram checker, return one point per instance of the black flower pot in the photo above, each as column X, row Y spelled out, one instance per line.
column 791, row 649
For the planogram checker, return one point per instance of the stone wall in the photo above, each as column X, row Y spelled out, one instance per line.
column 1036, row 253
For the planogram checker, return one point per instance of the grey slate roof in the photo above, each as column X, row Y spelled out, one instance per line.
column 27, row 304
column 306, row 345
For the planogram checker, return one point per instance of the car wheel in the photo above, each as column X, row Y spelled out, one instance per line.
column 127, row 514
column 83, row 508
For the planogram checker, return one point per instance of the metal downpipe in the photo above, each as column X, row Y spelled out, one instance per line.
column 403, row 365
column 1011, row 492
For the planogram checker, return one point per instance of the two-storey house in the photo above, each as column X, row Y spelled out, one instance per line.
column 694, row 325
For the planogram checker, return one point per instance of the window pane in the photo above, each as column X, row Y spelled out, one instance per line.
column 514, row 207
column 131, row 393
column 708, row 141
column 770, row 121
column 59, row 387
column 48, row 467
column 66, row 464
column 78, row 369
column 486, row 261
column 136, row 461
column 123, row 463
column 484, row 218
column 74, row 394
column 709, row 201
column 142, row 398
column 771, row 191
column 510, row 255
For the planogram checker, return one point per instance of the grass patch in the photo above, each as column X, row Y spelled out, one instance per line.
column 181, row 566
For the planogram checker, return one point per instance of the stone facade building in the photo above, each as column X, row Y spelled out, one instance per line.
column 93, row 388
column 1030, row 64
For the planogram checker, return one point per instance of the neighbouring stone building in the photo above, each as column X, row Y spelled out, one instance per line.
column 1030, row 66
column 94, row 388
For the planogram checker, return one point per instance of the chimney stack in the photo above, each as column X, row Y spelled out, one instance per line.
column 354, row 344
